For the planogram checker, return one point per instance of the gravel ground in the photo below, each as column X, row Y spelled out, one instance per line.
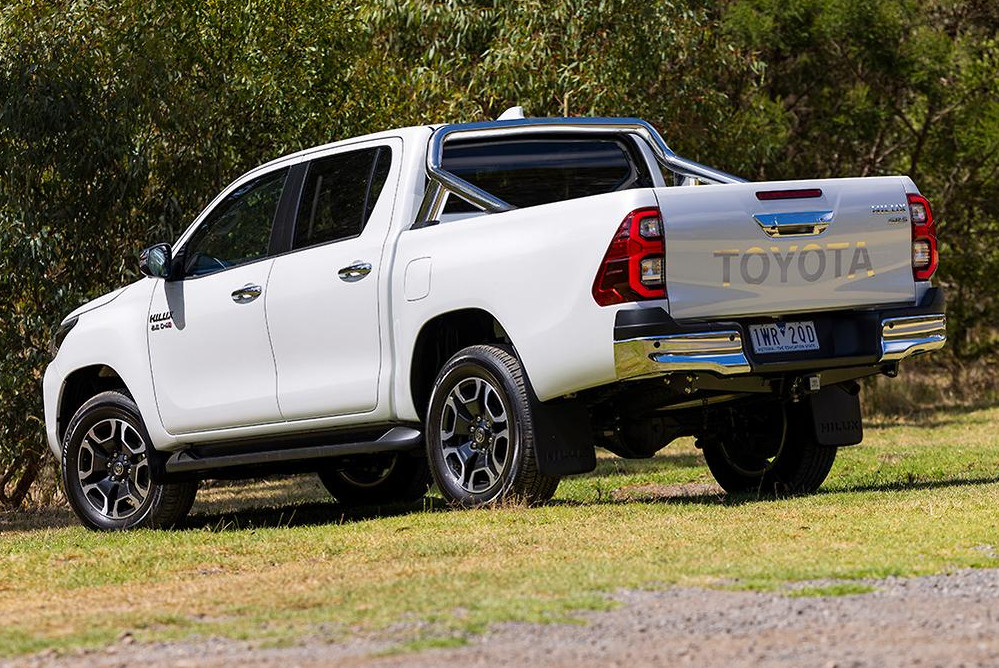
column 945, row 620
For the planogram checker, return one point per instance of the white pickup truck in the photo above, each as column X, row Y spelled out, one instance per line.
column 481, row 305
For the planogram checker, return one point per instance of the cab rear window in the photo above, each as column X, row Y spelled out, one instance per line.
column 540, row 170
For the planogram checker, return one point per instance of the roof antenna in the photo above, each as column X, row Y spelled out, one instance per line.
column 512, row 114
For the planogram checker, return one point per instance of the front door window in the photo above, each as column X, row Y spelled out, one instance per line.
column 238, row 230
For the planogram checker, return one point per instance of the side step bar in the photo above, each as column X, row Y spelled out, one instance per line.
column 395, row 439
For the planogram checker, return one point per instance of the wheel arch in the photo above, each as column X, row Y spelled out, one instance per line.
column 81, row 385
column 440, row 338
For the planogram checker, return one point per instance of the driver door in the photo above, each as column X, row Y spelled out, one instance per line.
column 209, row 347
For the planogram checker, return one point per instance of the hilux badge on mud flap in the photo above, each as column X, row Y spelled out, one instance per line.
column 161, row 321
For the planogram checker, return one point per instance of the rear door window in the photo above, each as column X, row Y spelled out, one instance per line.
column 339, row 195
column 528, row 171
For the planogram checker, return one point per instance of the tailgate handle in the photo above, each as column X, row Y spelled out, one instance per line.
column 797, row 224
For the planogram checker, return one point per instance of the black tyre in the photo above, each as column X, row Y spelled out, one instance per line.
column 377, row 479
column 105, row 469
column 480, row 431
column 767, row 451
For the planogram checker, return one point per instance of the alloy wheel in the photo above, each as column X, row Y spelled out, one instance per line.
column 475, row 435
column 113, row 469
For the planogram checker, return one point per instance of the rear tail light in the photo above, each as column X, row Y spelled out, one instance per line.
column 652, row 271
column 633, row 269
column 924, row 238
column 922, row 254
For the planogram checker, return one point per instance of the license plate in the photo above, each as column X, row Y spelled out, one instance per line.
column 784, row 337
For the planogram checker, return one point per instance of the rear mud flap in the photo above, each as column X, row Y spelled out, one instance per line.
column 835, row 415
column 563, row 438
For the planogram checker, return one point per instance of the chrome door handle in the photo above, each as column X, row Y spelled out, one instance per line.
column 247, row 293
column 354, row 272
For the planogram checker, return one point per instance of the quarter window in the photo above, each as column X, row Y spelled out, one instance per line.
column 238, row 230
column 340, row 193
column 541, row 170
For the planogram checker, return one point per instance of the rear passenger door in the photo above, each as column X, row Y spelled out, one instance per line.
column 323, row 305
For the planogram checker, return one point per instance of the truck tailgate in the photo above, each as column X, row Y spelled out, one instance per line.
column 781, row 247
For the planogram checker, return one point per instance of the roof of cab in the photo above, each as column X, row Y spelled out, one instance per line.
column 411, row 133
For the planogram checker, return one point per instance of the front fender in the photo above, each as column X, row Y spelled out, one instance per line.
column 113, row 335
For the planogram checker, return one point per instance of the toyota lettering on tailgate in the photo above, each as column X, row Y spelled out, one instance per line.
column 811, row 262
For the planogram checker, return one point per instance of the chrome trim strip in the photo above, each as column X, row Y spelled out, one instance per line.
column 717, row 352
column 492, row 204
column 794, row 224
column 912, row 335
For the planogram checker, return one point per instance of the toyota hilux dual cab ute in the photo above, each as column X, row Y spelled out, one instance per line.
column 481, row 306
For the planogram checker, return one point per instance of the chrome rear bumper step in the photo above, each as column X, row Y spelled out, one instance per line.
column 912, row 335
column 717, row 352
column 723, row 352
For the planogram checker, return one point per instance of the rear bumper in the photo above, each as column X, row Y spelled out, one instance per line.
column 650, row 343
column 912, row 335
column 719, row 352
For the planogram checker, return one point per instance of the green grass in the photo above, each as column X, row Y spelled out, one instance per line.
column 446, row 642
column 835, row 589
column 275, row 561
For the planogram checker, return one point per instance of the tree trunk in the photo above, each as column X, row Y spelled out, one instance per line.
column 28, row 466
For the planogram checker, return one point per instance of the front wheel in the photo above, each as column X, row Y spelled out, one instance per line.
column 762, row 450
column 480, row 431
column 105, row 469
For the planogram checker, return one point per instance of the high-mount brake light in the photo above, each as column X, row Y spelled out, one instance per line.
column 632, row 269
column 925, row 258
column 804, row 193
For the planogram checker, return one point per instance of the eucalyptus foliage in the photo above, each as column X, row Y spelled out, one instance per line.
column 120, row 119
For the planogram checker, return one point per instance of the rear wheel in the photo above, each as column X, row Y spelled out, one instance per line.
column 762, row 450
column 382, row 478
column 105, row 469
column 480, row 431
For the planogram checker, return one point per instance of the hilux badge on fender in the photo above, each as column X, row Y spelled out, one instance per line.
column 161, row 321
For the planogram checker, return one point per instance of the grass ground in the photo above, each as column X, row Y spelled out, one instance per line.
column 277, row 561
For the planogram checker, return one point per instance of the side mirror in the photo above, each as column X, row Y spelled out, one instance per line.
column 155, row 261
